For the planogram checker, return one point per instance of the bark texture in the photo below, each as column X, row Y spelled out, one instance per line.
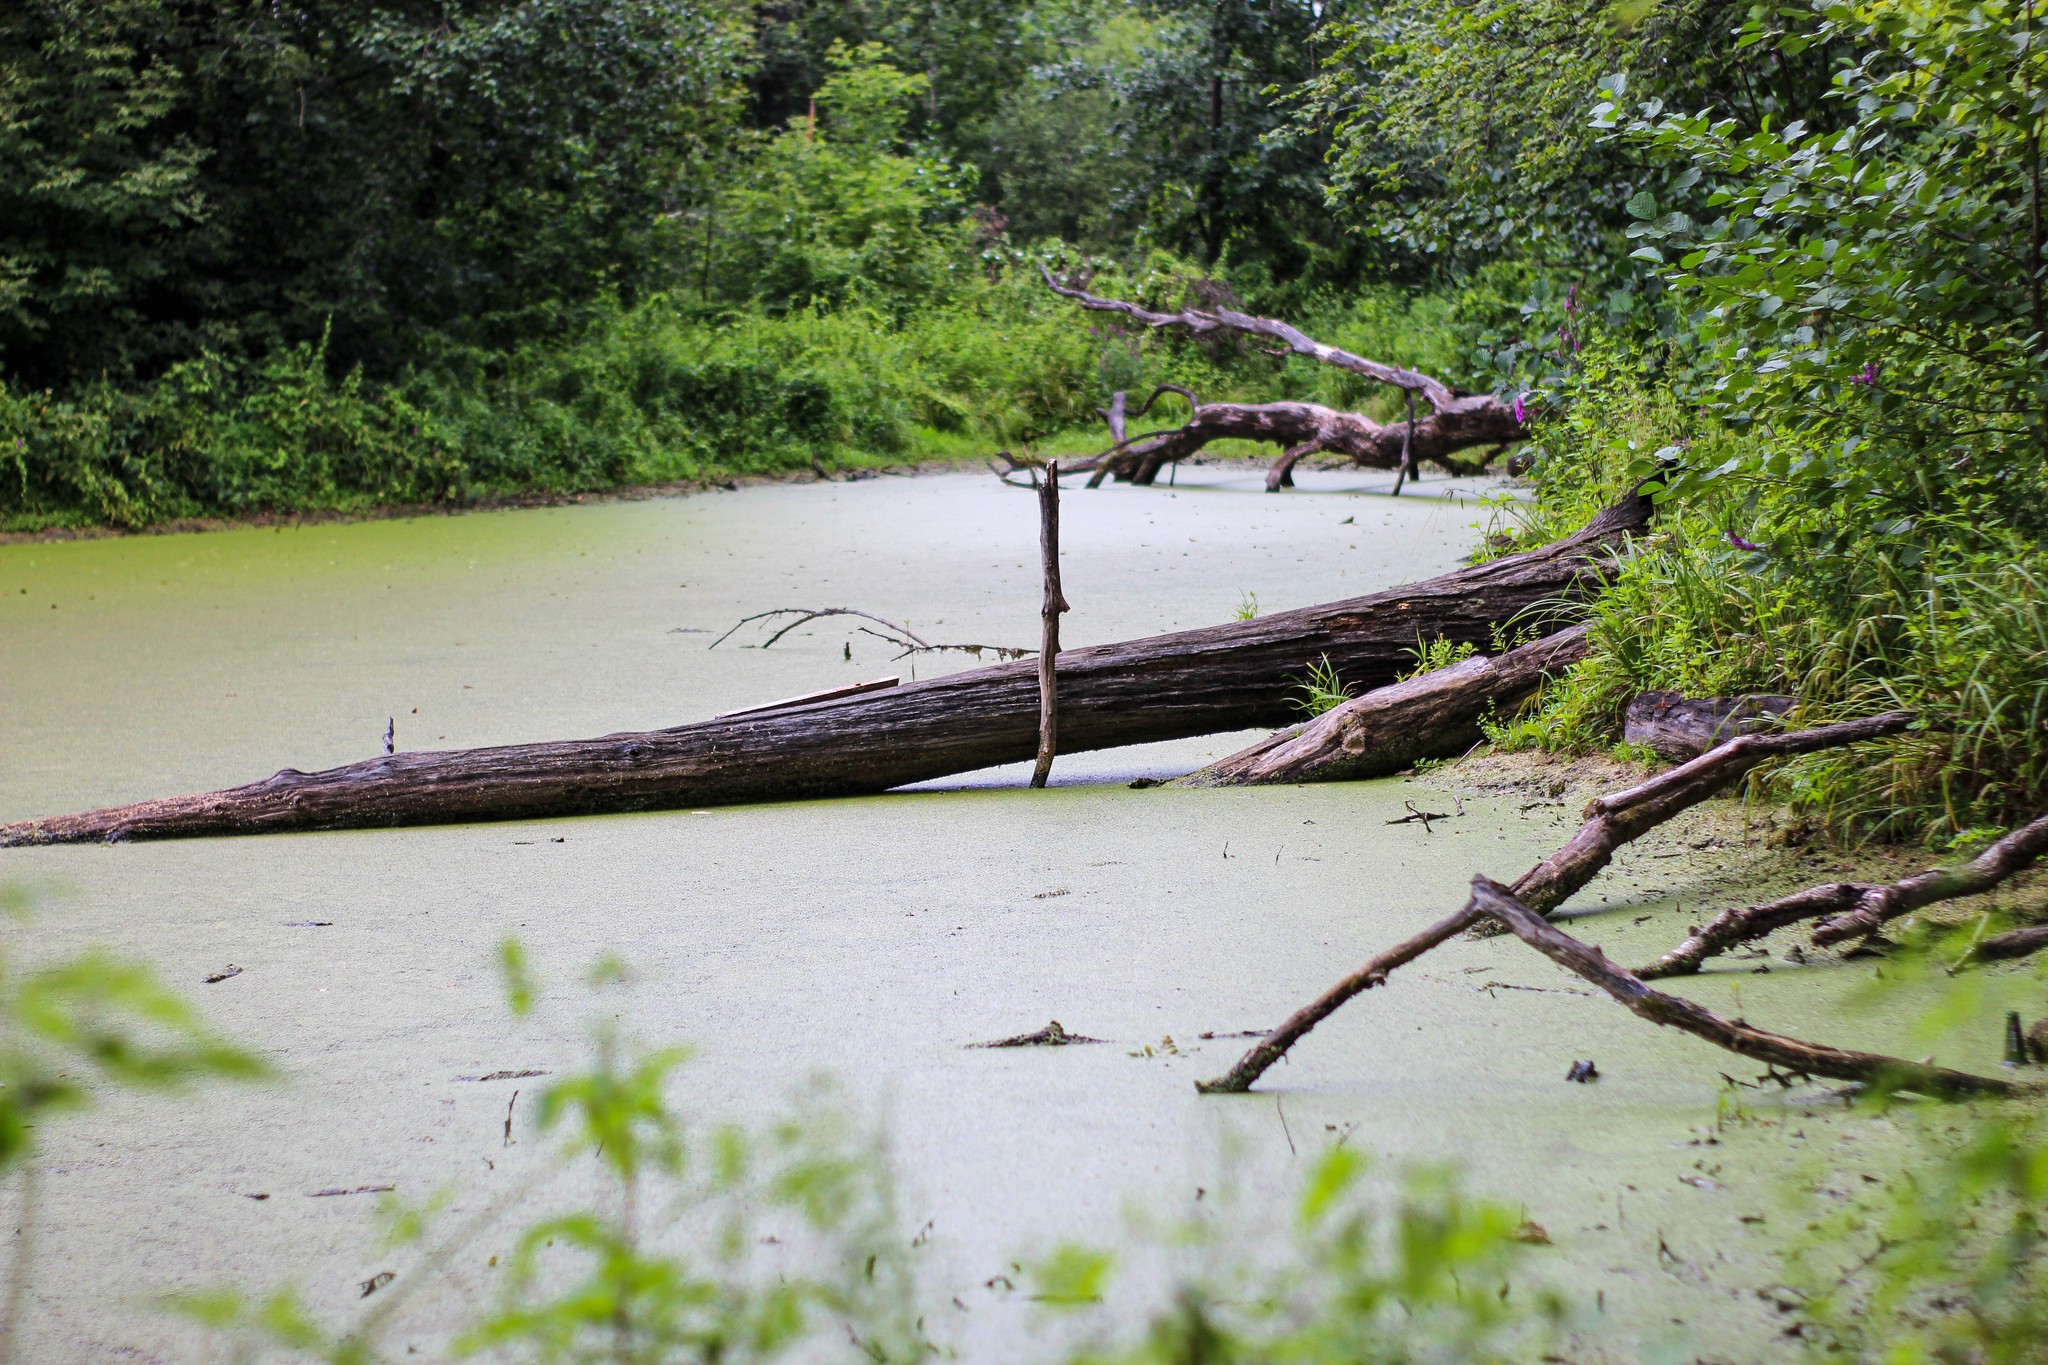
column 1433, row 715
column 1231, row 677
column 1681, row 728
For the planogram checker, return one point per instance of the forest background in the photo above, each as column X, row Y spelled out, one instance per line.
column 1786, row 259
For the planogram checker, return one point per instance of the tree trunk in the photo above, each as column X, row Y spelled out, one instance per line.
column 1435, row 715
column 1229, row 677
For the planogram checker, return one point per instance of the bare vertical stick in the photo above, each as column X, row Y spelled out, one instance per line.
column 1049, row 642
column 1407, row 446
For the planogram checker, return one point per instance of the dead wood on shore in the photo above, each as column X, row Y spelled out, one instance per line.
column 1456, row 422
column 1849, row 910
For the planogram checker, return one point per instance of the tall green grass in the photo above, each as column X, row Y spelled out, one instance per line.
column 1943, row 616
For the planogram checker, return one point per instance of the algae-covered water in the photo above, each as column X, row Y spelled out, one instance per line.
column 871, row 939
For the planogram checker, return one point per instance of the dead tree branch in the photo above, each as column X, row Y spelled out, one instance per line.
column 1456, row 422
column 1855, row 909
column 1049, row 613
column 1775, row 1049
column 1611, row 821
column 1199, row 321
column 893, row 632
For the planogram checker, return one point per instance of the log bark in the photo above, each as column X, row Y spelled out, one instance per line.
column 1857, row 909
column 1049, row 613
column 1456, row 422
column 1611, row 821
column 1775, row 1049
column 1680, row 728
column 1432, row 715
column 1231, row 677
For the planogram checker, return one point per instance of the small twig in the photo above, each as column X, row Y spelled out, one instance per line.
column 1425, row 816
column 898, row 634
column 508, row 1117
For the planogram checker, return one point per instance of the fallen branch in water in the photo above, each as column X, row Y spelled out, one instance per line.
column 898, row 634
column 1775, row 1049
column 1052, row 1035
column 1611, row 821
column 1857, row 908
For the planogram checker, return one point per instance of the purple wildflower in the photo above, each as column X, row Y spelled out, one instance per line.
column 1571, row 299
column 1868, row 378
column 1521, row 410
column 1739, row 543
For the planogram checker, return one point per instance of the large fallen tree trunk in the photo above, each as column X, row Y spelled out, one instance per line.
column 1230, row 677
column 1456, row 422
column 1432, row 715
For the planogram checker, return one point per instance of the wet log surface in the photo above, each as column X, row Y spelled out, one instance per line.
column 1229, row 677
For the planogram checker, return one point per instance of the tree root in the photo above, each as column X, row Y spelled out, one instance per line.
column 1854, row 909
column 1611, row 821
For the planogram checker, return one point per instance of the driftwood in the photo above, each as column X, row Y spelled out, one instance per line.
column 1236, row 676
column 1456, row 422
column 1855, row 909
column 1432, row 715
column 1786, row 1054
column 1049, row 611
column 1681, row 728
column 1611, row 821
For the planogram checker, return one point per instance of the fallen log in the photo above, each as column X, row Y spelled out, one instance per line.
column 1432, row 715
column 1685, row 727
column 1230, row 677
column 1738, row 1036
column 1611, row 821
column 1856, row 909
column 1455, row 422
column 2011, row 944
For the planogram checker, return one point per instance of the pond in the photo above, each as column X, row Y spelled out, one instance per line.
column 870, row 939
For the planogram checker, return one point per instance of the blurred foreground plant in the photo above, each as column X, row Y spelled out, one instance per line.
column 68, row 1030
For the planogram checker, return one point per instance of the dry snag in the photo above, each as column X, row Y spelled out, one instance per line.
column 1611, row 821
column 1456, row 422
column 1049, row 646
